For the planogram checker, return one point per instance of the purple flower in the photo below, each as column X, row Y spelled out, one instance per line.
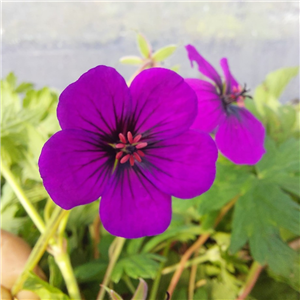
column 239, row 135
column 131, row 146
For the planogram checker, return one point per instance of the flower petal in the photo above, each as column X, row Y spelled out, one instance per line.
column 241, row 137
column 230, row 80
column 73, row 168
column 210, row 108
column 132, row 207
column 204, row 66
column 164, row 105
column 95, row 102
column 184, row 166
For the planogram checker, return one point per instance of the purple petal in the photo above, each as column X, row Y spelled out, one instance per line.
column 204, row 66
column 230, row 80
column 241, row 137
column 210, row 108
column 73, row 168
column 183, row 166
column 95, row 101
column 132, row 207
column 163, row 104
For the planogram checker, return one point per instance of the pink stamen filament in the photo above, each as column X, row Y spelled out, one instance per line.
column 137, row 157
column 141, row 145
column 124, row 159
column 129, row 137
column 131, row 160
column 137, row 138
column 122, row 138
column 141, row 153
column 120, row 146
column 119, row 155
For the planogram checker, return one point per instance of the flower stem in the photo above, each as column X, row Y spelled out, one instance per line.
column 193, row 277
column 63, row 261
column 252, row 277
column 39, row 248
column 30, row 209
column 201, row 240
column 159, row 273
column 118, row 245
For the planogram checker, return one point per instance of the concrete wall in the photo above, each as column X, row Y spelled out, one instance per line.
column 53, row 43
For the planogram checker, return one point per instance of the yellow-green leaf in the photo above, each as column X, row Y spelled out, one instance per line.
column 164, row 53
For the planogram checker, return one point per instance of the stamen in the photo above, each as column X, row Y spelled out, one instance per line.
column 122, row 138
column 124, row 159
column 137, row 157
column 120, row 146
column 141, row 153
column 129, row 137
column 131, row 160
column 137, row 138
column 141, row 145
column 119, row 155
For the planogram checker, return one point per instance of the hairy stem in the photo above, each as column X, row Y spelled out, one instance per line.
column 63, row 261
column 159, row 273
column 252, row 277
column 201, row 240
column 29, row 208
column 193, row 278
column 39, row 248
column 118, row 245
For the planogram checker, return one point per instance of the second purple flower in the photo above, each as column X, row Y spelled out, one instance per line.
column 239, row 135
column 131, row 146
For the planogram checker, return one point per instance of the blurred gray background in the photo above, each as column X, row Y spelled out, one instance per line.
column 53, row 43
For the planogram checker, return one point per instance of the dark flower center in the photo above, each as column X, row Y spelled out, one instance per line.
column 238, row 95
column 129, row 149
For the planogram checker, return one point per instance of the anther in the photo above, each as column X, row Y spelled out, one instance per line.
column 141, row 153
column 137, row 157
column 131, row 160
column 141, row 145
column 119, row 155
column 124, row 159
column 120, row 146
column 137, row 138
column 122, row 138
column 129, row 137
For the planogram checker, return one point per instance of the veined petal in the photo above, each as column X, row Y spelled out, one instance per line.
column 163, row 104
column 95, row 102
column 132, row 207
column 74, row 169
column 184, row 166
column 204, row 66
column 210, row 108
column 231, row 83
column 241, row 137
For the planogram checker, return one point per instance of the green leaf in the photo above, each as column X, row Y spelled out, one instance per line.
column 179, row 233
column 164, row 53
column 230, row 181
column 43, row 289
column 11, row 79
column 258, row 215
column 55, row 277
column 270, row 90
column 281, row 165
column 24, row 87
column 141, row 291
column 131, row 60
column 90, row 271
column 136, row 266
column 143, row 46
column 134, row 245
